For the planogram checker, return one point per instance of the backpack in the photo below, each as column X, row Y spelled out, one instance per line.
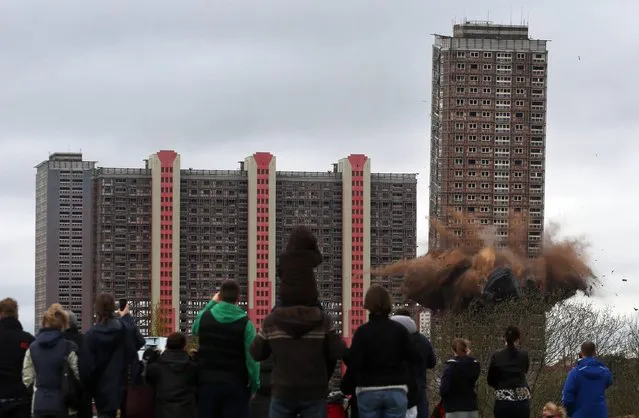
column 70, row 386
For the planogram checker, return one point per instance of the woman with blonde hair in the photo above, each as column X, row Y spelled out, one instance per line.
column 551, row 410
column 44, row 362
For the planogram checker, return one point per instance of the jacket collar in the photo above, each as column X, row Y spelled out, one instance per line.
column 10, row 323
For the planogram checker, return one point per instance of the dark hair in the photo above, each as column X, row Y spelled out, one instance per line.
column 511, row 335
column 378, row 301
column 301, row 239
column 230, row 291
column 8, row 308
column 176, row 341
column 104, row 307
column 588, row 349
column 460, row 346
column 402, row 312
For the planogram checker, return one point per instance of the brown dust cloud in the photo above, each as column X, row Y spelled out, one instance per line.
column 454, row 277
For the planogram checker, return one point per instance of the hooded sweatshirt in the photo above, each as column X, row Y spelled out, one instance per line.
column 108, row 350
column 298, row 285
column 174, row 380
column 225, row 336
column 305, row 348
column 43, row 365
column 584, row 393
column 14, row 344
column 418, row 368
column 457, row 387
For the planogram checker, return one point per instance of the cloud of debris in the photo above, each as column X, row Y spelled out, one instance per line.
column 475, row 267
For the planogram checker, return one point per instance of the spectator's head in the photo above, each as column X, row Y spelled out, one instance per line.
column 104, row 307
column 230, row 292
column 588, row 349
column 377, row 301
column 55, row 318
column 73, row 320
column 402, row 312
column 8, row 308
column 176, row 341
column 511, row 336
column 301, row 239
column 551, row 410
column 461, row 347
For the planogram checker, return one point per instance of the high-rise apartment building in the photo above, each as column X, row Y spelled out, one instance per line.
column 488, row 133
column 64, row 240
column 165, row 237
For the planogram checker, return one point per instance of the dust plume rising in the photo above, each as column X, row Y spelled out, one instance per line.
column 454, row 277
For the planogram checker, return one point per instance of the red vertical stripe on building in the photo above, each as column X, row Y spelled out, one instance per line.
column 357, row 314
column 167, row 160
column 262, row 287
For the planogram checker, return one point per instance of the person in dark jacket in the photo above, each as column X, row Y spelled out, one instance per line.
column 261, row 403
column 381, row 358
column 44, row 364
column 110, row 348
column 584, row 394
column 457, row 387
column 228, row 375
column 428, row 361
column 73, row 334
column 298, row 285
column 507, row 375
column 305, row 347
column 414, row 396
column 173, row 378
column 15, row 399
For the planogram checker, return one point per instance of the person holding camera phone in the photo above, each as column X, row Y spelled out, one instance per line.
column 110, row 348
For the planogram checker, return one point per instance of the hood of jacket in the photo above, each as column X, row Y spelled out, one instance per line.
column 468, row 366
column 108, row 334
column 48, row 338
column 11, row 323
column 592, row 369
column 301, row 239
column 225, row 312
column 297, row 321
column 176, row 360
column 407, row 322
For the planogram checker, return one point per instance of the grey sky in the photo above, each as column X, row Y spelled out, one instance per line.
column 310, row 82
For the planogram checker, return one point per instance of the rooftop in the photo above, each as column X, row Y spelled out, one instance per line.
column 489, row 30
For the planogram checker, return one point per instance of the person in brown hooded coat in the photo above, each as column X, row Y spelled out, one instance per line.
column 298, row 285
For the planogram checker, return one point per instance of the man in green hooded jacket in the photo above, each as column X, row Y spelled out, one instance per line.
column 228, row 375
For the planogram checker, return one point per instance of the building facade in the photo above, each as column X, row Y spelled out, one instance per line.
column 488, row 134
column 63, row 237
column 165, row 238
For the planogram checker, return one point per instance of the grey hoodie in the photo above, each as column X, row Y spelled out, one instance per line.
column 407, row 322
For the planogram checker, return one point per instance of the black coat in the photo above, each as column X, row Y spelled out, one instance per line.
column 14, row 343
column 457, row 387
column 174, row 381
column 86, row 409
column 508, row 369
column 262, row 401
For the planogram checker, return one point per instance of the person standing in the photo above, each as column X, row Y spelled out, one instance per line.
column 228, row 375
column 427, row 360
column 173, row 378
column 584, row 394
column 457, row 387
column 15, row 399
column 44, row 365
column 507, row 375
column 381, row 358
column 109, row 350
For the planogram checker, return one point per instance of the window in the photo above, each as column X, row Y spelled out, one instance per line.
column 474, row 78
column 519, row 103
column 459, row 173
column 485, row 186
column 471, row 161
column 459, row 185
column 473, row 89
column 459, row 137
column 459, row 150
column 460, row 89
column 472, row 138
column 485, row 126
column 471, row 185
column 474, row 54
column 459, row 125
column 488, row 79
column 459, row 114
column 486, row 138
column 473, row 102
column 472, row 174
column 470, row 197
column 486, row 102
column 519, row 114
column 521, row 56
column 472, row 150
column 504, row 68
column 518, row 174
column 460, row 78
column 520, row 91
column 487, row 90
column 485, row 174
column 460, row 102
column 487, row 67
column 519, row 127
column 518, row 79
column 488, row 54
column 519, row 150
column 461, row 66
column 459, row 161
column 485, row 162
column 472, row 114
column 461, row 54
column 474, row 66
column 472, row 126
column 485, row 150
column 485, row 114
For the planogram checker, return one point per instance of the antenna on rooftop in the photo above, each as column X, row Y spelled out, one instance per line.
column 511, row 15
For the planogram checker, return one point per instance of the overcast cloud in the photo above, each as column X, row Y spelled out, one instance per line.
column 311, row 81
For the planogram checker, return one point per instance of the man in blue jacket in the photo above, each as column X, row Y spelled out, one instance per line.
column 584, row 394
